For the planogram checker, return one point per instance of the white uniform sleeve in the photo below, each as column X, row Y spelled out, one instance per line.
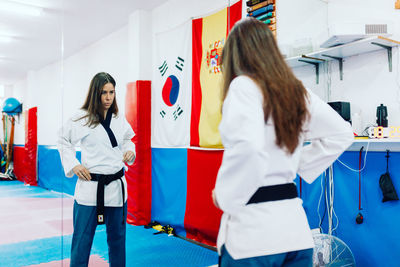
column 242, row 132
column 329, row 135
column 68, row 137
column 128, row 145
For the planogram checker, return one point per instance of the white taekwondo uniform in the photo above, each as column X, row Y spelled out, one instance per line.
column 97, row 155
column 252, row 160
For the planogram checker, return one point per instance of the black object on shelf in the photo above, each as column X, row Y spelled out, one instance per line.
column 343, row 108
column 381, row 116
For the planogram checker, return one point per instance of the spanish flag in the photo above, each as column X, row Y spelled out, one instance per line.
column 208, row 38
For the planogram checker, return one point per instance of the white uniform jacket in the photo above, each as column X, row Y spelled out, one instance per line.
column 252, row 159
column 97, row 155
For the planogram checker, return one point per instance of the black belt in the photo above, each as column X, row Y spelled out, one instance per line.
column 103, row 180
column 274, row 192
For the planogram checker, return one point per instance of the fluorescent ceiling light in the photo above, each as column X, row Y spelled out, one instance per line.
column 21, row 9
column 5, row 59
column 5, row 39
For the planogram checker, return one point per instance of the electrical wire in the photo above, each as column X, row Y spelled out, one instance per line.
column 337, row 222
column 323, row 190
column 333, row 213
column 328, row 191
column 365, row 161
column 330, row 196
column 319, row 205
column 327, row 208
column 359, row 179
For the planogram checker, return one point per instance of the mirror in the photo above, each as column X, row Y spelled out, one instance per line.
column 47, row 60
column 30, row 75
column 57, row 53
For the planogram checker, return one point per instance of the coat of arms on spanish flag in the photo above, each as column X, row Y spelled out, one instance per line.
column 208, row 38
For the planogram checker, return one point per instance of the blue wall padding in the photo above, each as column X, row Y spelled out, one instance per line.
column 51, row 173
column 375, row 242
column 169, row 174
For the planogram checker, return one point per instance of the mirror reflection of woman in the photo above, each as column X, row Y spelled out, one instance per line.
column 100, row 192
column 266, row 117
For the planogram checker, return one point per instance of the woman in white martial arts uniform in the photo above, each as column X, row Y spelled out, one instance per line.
column 267, row 115
column 100, row 192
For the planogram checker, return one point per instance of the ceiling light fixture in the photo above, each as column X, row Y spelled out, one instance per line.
column 21, row 9
column 5, row 39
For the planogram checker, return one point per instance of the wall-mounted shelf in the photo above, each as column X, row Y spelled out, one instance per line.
column 340, row 52
column 392, row 144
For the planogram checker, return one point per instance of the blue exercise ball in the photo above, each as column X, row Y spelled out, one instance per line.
column 12, row 106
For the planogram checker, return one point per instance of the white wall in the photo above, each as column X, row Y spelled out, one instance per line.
column 19, row 92
column 366, row 80
column 109, row 54
column 140, row 45
column 301, row 25
column 59, row 89
column 44, row 92
column 364, row 11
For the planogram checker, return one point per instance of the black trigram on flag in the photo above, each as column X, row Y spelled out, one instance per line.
column 162, row 113
column 163, row 68
column 177, row 112
column 179, row 63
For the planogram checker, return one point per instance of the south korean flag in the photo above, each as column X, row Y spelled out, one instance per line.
column 172, row 88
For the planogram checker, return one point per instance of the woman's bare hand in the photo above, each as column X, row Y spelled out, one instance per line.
column 129, row 156
column 82, row 172
column 214, row 199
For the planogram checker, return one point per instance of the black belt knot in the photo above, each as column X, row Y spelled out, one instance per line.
column 273, row 193
column 102, row 181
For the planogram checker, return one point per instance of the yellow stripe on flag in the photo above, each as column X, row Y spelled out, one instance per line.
column 213, row 39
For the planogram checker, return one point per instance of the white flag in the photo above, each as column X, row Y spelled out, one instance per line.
column 172, row 88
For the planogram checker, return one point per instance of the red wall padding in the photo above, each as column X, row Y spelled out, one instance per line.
column 18, row 161
column 25, row 162
column 202, row 217
column 138, row 176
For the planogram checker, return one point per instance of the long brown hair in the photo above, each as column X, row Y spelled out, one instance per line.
column 251, row 50
column 93, row 104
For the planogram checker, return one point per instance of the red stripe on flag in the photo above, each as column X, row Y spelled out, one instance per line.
column 234, row 14
column 197, row 50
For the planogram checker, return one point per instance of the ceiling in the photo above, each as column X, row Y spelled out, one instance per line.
column 36, row 41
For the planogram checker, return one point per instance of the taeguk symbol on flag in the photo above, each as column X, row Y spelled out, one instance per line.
column 171, row 88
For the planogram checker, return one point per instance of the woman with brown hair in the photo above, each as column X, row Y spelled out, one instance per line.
column 267, row 115
column 100, row 192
